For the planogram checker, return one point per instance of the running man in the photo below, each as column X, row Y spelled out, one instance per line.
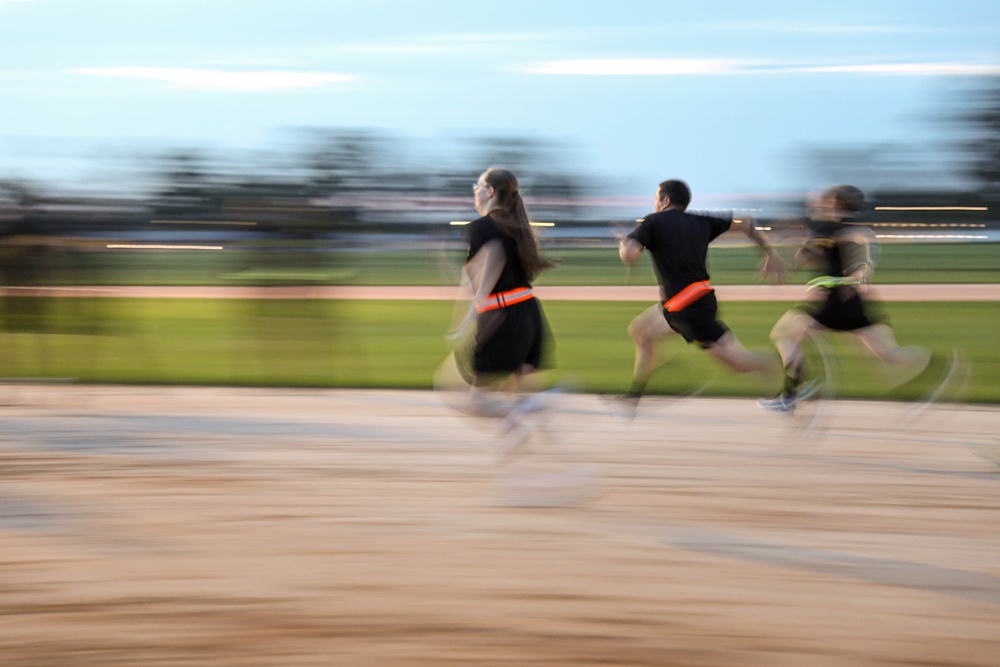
column 840, row 250
column 678, row 242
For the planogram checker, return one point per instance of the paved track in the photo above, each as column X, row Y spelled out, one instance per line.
column 172, row 526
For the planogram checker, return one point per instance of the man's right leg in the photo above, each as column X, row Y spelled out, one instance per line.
column 646, row 329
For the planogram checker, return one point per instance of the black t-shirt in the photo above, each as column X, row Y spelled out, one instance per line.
column 828, row 244
column 678, row 242
column 484, row 230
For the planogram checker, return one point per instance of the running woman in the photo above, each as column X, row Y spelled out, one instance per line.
column 503, row 336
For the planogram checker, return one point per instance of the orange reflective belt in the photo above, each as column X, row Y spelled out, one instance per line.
column 687, row 296
column 504, row 299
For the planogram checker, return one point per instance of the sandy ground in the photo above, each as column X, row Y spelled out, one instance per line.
column 170, row 526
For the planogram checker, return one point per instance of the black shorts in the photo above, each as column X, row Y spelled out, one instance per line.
column 842, row 310
column 512, row 337
column 697, row 323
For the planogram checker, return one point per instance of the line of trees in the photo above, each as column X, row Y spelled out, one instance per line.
column 349, row 180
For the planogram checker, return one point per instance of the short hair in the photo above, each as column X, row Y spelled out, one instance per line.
column 678, row 191
column 846, row 198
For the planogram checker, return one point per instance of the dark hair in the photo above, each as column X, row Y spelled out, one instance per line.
column 512, row 218
column 847, row 198
column 678, row 191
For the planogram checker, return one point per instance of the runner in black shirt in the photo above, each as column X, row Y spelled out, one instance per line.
column 840, row 250
column 678, row 242
column 502, row 260
column 503, row 335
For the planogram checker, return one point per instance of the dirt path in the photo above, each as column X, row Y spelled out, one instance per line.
column 169, row 526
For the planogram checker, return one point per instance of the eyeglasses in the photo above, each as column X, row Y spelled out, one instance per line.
column 477, row 185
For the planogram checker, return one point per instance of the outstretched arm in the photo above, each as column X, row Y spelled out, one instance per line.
column 773, row 262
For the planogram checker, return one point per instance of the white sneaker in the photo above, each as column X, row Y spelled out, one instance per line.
column 808, row 390
column 623, row 408
column 537, row 402
column 490, row 404
column 513, row 441
column 783, row 404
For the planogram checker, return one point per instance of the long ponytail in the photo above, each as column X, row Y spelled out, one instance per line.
column 512, row 218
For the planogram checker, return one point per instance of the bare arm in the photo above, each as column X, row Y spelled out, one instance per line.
column 859, row 259
column 484, row 270
column 629, row 250
column 804, row 256
column 479, row 276
column 773, row 263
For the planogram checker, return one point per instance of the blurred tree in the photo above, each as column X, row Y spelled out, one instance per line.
column 920, row 166
column 341, row 161
column 542, row 169
column 982, row 149
column 15, row 199
column 539, row 165
column 189, row 187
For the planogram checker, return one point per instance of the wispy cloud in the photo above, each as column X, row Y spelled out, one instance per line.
column 814, row 27
column 711, row 66
column 492, row 37
column 906, row 69
column 438, row 44
column 222, row 80
column 636, row 67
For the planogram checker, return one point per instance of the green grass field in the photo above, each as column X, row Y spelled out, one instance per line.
column 399, row 344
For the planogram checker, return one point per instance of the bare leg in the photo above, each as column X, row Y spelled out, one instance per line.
column 731, row 351
column 787, row 336
column 646, row 329
column 880, row 339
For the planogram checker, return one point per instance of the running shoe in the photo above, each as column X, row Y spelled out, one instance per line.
column 622, row 407
column 783, row 404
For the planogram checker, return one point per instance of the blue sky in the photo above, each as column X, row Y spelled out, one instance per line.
column 727, row 95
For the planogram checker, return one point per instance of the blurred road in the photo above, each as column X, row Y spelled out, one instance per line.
column 244, row 527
